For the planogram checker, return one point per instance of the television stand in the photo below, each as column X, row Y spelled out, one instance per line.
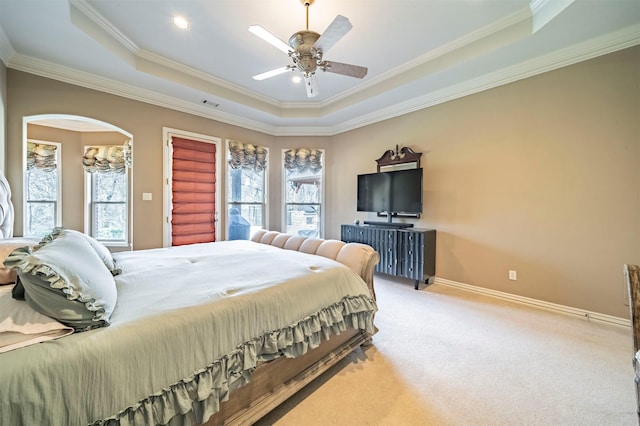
column 388, row 224
column 407, row 253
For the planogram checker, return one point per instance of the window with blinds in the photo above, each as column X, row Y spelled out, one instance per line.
column 42, row 203
column 107, row 178
column 303, row 191
column 246, row 189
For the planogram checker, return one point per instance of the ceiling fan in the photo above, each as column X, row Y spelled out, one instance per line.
column 306, row 49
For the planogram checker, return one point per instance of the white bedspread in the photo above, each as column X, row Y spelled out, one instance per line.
column 186, row 317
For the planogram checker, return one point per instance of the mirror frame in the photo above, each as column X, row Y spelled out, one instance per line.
column 402, row 159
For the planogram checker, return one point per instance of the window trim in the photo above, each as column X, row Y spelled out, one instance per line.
column 322, row 203
column 58, row 221
column 228, row 204
column 89, row 212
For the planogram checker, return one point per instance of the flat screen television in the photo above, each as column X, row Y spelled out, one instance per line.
column 396, row 192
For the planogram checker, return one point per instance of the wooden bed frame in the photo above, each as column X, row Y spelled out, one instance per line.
column 275, row 381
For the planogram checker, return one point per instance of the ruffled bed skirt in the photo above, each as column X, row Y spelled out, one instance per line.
column 195, row 399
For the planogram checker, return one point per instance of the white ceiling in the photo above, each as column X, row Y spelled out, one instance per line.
column 419, row 53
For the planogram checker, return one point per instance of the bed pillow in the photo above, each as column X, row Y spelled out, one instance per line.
column 65, row 279
column 21, row 325
column 101, row 250
column 7, row 275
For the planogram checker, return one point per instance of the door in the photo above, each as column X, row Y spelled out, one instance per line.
column 193, row 190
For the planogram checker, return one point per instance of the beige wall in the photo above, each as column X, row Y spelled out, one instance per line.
column 32, row 95
column 538, row 176
column 72, row 175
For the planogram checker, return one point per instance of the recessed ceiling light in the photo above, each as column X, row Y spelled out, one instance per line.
column 296, row 79
column 180, row 22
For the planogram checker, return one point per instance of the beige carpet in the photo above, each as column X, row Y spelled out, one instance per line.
column 444, row 356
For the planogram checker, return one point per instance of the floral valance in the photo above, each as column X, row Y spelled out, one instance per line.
column 104, row 159
column 247, row 156
column 301, row 159
column 127, row 153
column 41, row 156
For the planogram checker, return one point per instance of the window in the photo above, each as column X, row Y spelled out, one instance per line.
column 303, row 191
column 246, row 189
column 42, row 210
column 107, row 180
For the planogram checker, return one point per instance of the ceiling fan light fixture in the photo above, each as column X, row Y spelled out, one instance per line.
column 306, row 49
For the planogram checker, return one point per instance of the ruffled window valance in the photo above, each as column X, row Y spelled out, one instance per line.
column 247, row 156
column 127, row 153
column 41, row 156
column 301, row 159
column 104, row 159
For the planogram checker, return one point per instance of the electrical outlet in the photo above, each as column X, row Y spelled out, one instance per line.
column 513, row 275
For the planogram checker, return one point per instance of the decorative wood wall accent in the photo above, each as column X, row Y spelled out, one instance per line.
column 402, row 156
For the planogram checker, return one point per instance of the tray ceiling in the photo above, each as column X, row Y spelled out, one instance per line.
column 418, row 53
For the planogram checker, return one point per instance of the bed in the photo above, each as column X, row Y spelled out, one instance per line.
column 214, row 333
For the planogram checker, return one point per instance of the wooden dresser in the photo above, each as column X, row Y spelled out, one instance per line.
column 408, row 253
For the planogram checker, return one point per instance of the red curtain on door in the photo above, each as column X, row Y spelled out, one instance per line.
column 194, row 192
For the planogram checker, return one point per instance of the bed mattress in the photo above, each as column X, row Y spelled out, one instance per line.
column 191, row 322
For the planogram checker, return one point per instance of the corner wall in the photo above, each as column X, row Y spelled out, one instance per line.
column 540, row 176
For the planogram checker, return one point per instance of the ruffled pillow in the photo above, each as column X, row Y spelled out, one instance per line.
column 65, row 279
column 101, row 250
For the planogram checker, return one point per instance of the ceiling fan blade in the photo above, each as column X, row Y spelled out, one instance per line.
column 311, row 86
column 272, row 73
column 334, row 32
column 345, row 69
column 270, row 38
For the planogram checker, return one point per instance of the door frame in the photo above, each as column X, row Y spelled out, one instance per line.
column 167, row 170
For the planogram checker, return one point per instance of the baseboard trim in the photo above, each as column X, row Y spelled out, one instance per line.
column 588, row 315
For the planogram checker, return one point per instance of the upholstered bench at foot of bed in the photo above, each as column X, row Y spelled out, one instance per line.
column 359, row 257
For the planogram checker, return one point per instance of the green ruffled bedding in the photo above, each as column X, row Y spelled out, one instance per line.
column 190, row 325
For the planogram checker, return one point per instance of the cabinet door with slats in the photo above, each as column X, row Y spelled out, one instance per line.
column 386, row 244
column 412, row 254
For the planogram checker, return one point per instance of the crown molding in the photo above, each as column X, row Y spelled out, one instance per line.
column 6, row 49
column 521, row 23
column 92, row 14
column 621, row 39
column 90, row 81
column 154, row 64
column 162, row 61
